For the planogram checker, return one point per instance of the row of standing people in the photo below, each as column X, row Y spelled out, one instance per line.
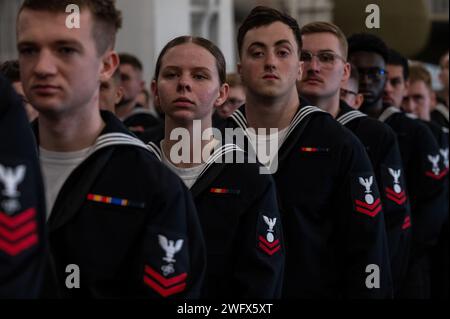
column 332, row 206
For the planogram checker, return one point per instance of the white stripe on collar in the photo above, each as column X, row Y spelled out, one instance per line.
column 299, row 117
column 443, row 110
column 388, row 113
column 412, row 116
column 110, row 139
column 241, row 121
column 350, row 116
column 155, row 149
column 223, row 150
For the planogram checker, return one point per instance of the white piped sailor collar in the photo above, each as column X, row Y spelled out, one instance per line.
column 240, row 119
column 388, row 112
column 116, row 139
column 155, row 150
column 350, row 116
column 217, row 154
column 443, row 110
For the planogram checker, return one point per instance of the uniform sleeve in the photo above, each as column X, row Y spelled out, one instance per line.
column 260, row 248
column 23, row 242
column 397, row 211
column 428, row 203
column 365, row 257
column 174, row 249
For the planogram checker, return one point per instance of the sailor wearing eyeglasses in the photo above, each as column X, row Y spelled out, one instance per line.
column 417, row 146
column 321, row 84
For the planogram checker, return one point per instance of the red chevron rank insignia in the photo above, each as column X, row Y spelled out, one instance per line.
column 18, row 232
column 406, row 223
column 398, row 198
column 371, row 204
column 395, row 193
column 371, row 210
column 437, row 176
column 269, row 244
column 166, row 276
column 164, row 286
column 269, row 248
column 435, row 172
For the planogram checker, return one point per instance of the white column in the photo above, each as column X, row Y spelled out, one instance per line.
column 8, row 14
column 148, row 25
column 226, row 34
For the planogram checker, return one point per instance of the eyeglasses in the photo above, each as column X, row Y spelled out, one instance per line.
column 376, row 74
column 326, row 59
column 345, row 92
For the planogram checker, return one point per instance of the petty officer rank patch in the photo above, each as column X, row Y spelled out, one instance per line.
column 394, row 184
column 435, row 171
column 366, row 199
column 268, row 234
column 18, row 216
column 166, row 267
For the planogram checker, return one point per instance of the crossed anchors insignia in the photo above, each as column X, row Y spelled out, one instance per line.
column 396, row 175
column 367, row 183
column 271, row 223
column 171, row 248
column 11, row 178
column 444, row 153
column 435, row 161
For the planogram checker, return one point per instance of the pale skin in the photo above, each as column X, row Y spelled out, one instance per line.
column 419, row 99
column 320, row 83
column 396, row 86
column 443, row 75
column 61, row 71
column 132, row 85
column 188, row 88
column 270, row 68
column 236, row 97
column 355, row 101
column 110, row 94
column 32, row 114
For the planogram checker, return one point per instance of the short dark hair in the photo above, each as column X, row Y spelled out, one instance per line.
column 126, row 58
column 262, row 16
column 11, row 70
column 369, row 43
column 202, row 42
column 395, row 58
column 107, row 19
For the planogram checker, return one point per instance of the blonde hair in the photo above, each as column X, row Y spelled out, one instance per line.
column 418, row 72
column 327, row 27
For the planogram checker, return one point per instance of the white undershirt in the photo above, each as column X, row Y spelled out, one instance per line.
column 56, row 168
column 188, row 175
column 267, row 145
